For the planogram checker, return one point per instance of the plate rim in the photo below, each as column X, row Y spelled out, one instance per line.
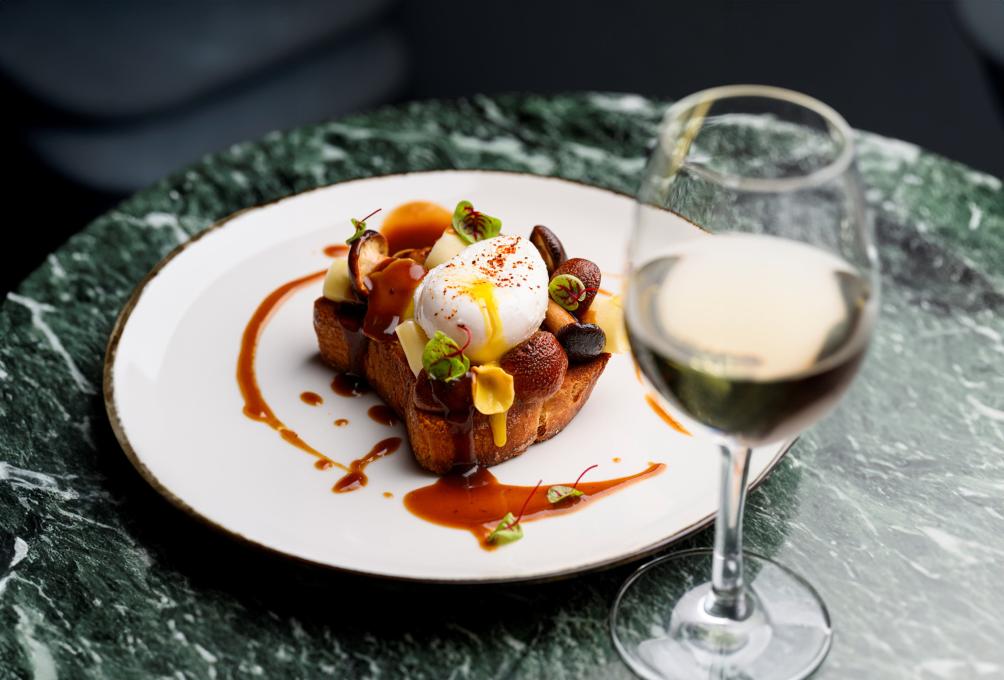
column 108, row 393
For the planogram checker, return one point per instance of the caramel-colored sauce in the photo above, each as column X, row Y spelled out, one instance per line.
column 356, row 478
column 341, row 422
column 453, row 401
column 477, row 501
column 383, row 414
column 311, row 398
column 336, row 250
column 255, row 406
column 322, row 464
column 390, row 286
column 417, row 224
column 661, row 412
column 350, row 317
column 349, row 385
column 616, row 459
column 388, row 494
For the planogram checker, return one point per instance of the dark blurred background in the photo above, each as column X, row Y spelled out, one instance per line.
column 103, row 97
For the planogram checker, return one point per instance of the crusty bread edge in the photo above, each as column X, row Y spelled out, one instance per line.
column 385, row 367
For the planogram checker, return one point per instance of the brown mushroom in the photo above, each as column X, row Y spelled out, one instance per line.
column 582, row 341
column 537, row 366
column 549, row 246
column 367, row 251
column 587, row 272
column 557, row 317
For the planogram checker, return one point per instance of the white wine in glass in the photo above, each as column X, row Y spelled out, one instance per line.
column 751, row 329
column 723, row 333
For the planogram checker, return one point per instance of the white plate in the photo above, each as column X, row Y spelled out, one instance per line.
column 174, row 402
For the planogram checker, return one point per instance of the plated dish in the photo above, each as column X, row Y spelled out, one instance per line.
column 498, row 398
column 482, row 342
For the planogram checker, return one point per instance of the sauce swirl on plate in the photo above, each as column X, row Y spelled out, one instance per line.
column 255, row 405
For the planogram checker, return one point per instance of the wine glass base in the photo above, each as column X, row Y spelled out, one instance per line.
column 661, row 627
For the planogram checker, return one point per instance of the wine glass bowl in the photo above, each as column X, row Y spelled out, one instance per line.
column 750, row 328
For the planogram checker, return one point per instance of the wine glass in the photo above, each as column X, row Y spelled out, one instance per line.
column 750, row 328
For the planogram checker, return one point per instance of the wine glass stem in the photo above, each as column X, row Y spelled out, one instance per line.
column 728, row 597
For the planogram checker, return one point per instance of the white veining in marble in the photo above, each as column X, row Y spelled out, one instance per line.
column 37, row 310
column 43, row 665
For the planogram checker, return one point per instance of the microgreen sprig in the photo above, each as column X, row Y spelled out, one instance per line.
column 443, row 359
column 359, row 226
column 560, row 492
column 472, row 225
column 509, row 529
column 568, row 291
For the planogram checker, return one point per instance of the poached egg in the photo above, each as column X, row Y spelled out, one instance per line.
column 496, row 288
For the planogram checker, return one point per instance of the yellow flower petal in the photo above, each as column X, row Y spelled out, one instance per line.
column 492, row 389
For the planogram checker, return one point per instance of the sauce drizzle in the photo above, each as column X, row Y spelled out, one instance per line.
column 355, row 478
column 311, row 398
column 350, row 316
column 476, row 501
column 255, row 406
column 454, row 403
column 383, row 414
column 349, row 385
column 661, row 412
column 390, row 287
column 336, row 250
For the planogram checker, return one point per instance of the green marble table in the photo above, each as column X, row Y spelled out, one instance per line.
column 893, row 507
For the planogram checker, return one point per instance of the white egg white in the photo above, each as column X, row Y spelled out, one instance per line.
column 453, row 295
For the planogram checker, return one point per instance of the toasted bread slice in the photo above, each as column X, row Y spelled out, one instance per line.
column 386, row 369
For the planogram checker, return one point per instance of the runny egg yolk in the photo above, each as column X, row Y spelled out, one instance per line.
column 483, row 293
column 493, row 393
column 498, row 425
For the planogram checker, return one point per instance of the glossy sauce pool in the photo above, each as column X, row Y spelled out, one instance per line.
column 417, row 224
column 478, row 501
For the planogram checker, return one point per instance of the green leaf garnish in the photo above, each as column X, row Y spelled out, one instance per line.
column 472, row 225
column 359, row 226
column 559, row 492
column 567, row 290
column 443, row 359
column 507, row 531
